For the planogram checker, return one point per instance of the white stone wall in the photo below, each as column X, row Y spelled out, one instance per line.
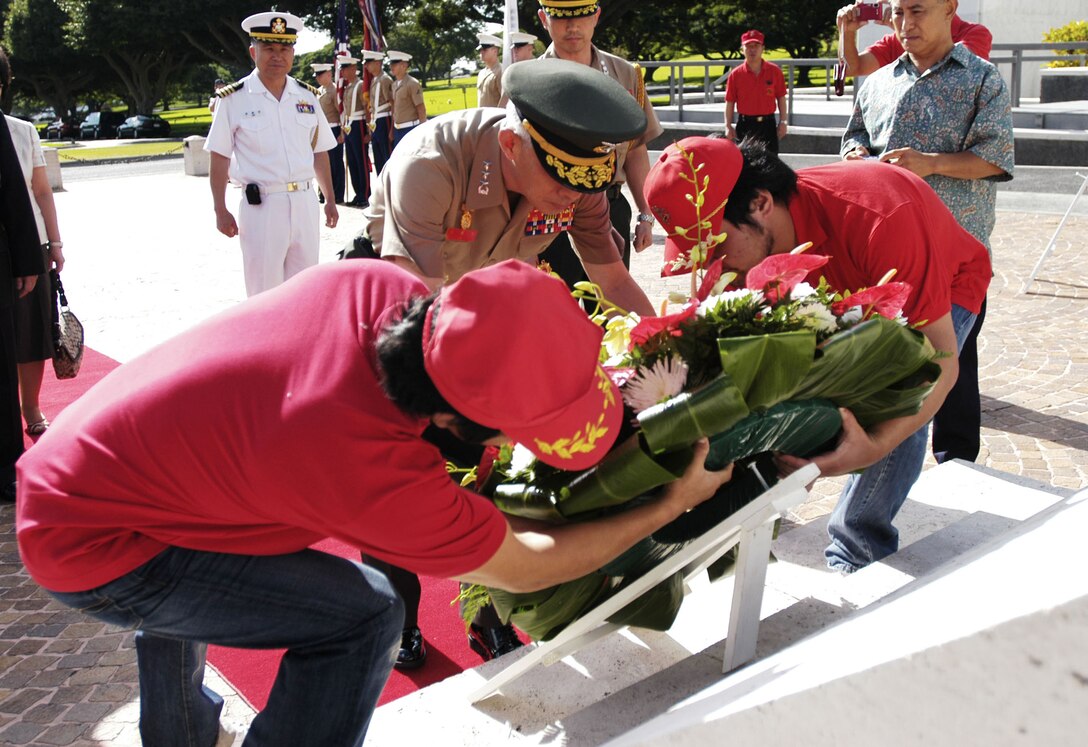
column 1023, row 22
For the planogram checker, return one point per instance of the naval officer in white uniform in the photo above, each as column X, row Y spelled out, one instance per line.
column 270, row 137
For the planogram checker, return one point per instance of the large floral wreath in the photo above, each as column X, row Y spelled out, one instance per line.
column 757, row 369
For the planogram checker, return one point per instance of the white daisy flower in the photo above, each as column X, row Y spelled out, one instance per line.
column 728, row 298
column 818, row 317
column 658, row 383
column 851, row 317
column 801, row 291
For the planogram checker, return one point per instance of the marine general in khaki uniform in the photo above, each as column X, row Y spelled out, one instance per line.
column 480, row 186
column 570, row 24
column 489, row 80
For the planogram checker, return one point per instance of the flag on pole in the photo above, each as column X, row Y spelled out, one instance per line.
column 509, row 26
column 342, row 50
column 372, row 38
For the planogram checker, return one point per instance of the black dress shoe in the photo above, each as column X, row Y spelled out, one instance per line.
column 492, row 642
column 7, row 492
column 413, row 651
column 359, row 204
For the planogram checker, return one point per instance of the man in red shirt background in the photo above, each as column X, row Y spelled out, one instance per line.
column 887, row 49
column 755, row 89
column 868, row 218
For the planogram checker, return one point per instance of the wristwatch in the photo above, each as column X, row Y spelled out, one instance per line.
column 645, row 217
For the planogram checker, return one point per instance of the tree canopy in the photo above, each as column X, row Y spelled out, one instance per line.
column 69, row 51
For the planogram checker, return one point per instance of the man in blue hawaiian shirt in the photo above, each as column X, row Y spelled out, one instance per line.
column 944, row 114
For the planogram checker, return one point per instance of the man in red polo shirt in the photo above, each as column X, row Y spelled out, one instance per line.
column 868, row 218
column 887, row 48
column 754, row 89
column 181, row 494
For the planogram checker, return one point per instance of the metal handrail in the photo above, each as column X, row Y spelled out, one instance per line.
column 1016, row 59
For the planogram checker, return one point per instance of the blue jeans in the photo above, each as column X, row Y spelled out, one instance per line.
column 339, row 621
column 860, row 527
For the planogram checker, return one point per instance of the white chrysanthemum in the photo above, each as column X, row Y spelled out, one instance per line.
column 521, row 459
column 729, row 297
column 818, row 317
column 851, row 317
column 661, row 381
column 801, row 291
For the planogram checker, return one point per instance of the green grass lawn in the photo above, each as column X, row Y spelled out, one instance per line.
column 76, row 152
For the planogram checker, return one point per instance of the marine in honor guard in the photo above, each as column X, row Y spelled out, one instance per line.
column 489, row 80
column 381, row 108
column 409, row 111
column 356, row 131
column 329, row 107
column 269, row 136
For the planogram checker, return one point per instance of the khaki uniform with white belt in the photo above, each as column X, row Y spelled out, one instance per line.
column 407, row 97
column 271, row 144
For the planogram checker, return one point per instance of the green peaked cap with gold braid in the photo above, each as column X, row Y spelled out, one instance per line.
column 575, row 117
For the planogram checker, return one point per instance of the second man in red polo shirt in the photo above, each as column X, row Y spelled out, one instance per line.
column 754, row 89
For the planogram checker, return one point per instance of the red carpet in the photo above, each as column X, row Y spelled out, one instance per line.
column 252, row 672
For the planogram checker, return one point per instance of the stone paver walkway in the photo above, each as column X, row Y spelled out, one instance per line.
column 66, row 680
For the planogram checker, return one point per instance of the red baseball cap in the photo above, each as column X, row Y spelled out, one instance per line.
column 511, row 349
column 751, row 35
column 687, row 170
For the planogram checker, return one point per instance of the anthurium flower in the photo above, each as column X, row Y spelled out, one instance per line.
column 655, row 325
column 887, row 300
column 778, row 273
column 715, row 280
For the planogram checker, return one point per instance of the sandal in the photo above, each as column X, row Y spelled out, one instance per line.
column 38, row 428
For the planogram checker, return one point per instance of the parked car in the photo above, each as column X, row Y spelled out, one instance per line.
column 101, row 124
column 143, row 125
column 61, row 129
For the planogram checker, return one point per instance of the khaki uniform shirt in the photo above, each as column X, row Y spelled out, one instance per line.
column 630, row 77
column 327, row 99
column 455, row 161
column 355, row 101
column 407, row 95
column 489, row 86
column 381, row 96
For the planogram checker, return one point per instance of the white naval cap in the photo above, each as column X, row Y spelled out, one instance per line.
column 370, row 54
column 395, row 56
column 488, row 40
column 321, row 67
column 273, row 26
column 346, row 59
column 517, row 38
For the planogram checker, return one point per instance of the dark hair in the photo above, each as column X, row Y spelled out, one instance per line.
column 5, row 69
column 404, row 375
column 762, row 170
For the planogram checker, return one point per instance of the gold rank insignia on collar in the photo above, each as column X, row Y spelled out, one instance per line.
column 569, row 8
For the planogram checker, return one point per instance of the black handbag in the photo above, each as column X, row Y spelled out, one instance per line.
column 67, row 333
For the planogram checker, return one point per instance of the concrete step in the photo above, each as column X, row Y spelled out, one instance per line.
column 630, row 677
column 989, row 649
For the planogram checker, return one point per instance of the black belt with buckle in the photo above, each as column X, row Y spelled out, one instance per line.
column 749, row 118
column 614, row 192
